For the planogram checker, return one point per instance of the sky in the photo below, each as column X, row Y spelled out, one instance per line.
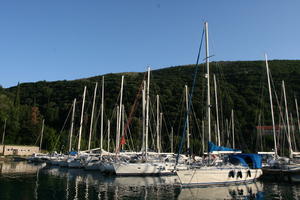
column 71, row 39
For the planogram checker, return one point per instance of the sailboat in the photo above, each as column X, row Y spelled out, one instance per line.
column 235, row 168
column 283, row 166
column 145, row 163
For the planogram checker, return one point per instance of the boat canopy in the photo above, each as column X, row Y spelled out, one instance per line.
column 212, row 147
column 253, row 161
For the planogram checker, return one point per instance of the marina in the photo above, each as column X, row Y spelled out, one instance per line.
column 149, row 100
column 53, row 182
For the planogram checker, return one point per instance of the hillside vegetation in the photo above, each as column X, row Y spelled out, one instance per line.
column 242, row 86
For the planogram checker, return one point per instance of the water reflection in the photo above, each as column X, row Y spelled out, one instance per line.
column 93, row 185
column 19, row 168
column 28, row 181
column 241, row 191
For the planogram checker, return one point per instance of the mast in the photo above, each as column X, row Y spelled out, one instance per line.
column 217, row 111
column 172, row 140
column 271, row 105
column 144, row 113
column 42, row 132
column 203, row 142
column 297, row 112
column 157, row 124
column 293, row 132
column 4, row 129
column 227, row 131
column 120, row 116
column 102, row 110
column 187, row 119
column 123, row 123
column 118, row 131
column 72, row 125
column 108, row 134
column 92, row 116
column 208, row 84
column 232, row 120
column 160, row 128
column 287, row 121
column 81, row 119
column 147, row 112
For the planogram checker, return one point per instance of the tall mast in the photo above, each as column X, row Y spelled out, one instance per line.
column 118, row 131
column 187, row 119
column 42, row 132
column 120, row 115
column 102, row 110
column 72, row 125
column 4, row 129
column 123, row 123
column 232, row 120
column 81, row 119
column 147, row 111
column 208, row 84
column 144, row 114
column 297, row 112
column 160, row 128
column 217, row 111
column 271, row 105
column 92, row 116
column 157, row 124
column 287, row 121
column 108, row 134
column 203, row 142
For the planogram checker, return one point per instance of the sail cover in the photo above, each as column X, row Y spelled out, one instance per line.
column 254, row 161
column 212, row 147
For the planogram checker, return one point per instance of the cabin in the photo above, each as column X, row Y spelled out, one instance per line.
column 18, row 150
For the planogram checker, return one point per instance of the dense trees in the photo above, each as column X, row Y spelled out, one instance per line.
column 242, row 86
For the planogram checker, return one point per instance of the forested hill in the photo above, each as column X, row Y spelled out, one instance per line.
column 242, row 86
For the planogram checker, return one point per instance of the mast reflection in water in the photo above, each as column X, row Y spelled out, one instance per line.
column 19, row 180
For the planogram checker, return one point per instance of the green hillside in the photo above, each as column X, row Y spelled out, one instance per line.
column 242, row 86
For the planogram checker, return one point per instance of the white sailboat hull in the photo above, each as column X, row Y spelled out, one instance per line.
column 141, row 169
column 212, row 176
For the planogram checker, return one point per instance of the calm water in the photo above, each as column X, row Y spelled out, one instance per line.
column 25, row 181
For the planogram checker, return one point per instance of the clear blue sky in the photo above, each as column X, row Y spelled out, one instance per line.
column 71, row 39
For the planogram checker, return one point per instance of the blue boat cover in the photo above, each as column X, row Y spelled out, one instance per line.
column 73, row 153
column 212, row 147
column 238, row 160
column 253, row 161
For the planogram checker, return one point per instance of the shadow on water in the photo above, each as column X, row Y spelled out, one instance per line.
column 20, row 180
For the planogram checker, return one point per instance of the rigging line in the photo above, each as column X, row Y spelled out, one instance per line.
column 165, row 118
column 196, row 121
column 190, row 99
column 130, row 135
column 57, row 139
column 132, row 111
column 281, row 114
column 178, row 117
